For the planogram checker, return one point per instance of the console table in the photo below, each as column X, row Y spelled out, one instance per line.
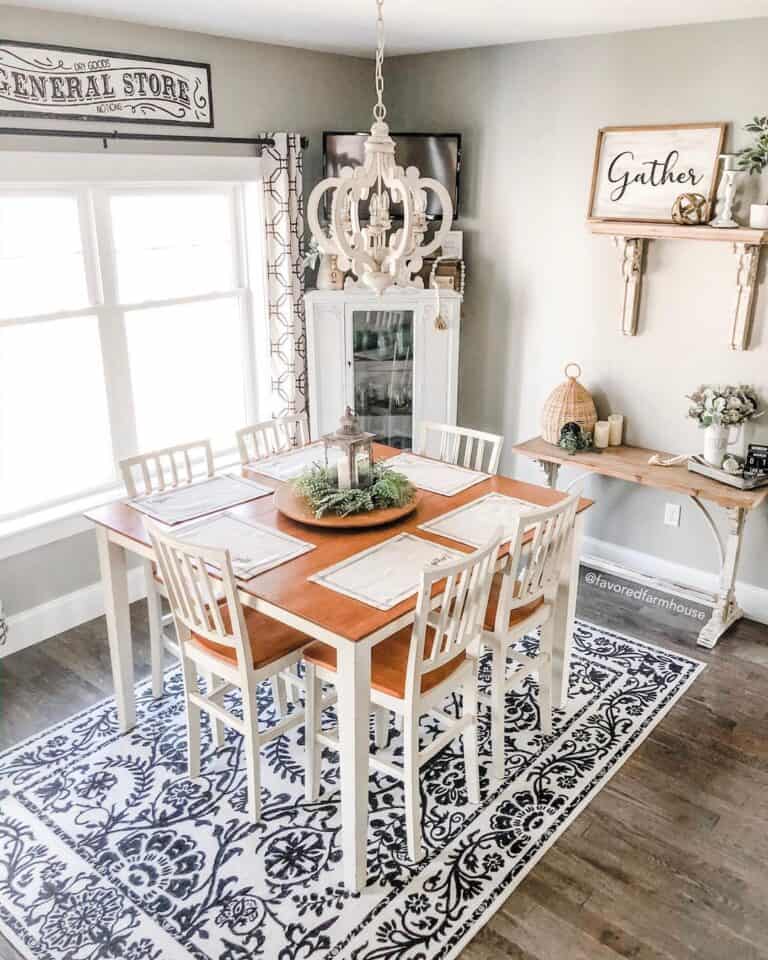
column 631, row 464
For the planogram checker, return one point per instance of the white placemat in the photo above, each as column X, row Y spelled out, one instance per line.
column 288, row 466
column 193, row 500
column 435, row 476
column 253, row 547
column 475, row 522
column 386, row 574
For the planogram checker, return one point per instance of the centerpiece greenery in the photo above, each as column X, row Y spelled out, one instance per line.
column 319, row 486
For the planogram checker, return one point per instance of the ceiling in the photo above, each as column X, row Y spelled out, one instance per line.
column 413, row 26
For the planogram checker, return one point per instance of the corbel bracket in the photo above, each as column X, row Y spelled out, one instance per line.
column 632, row 259
column 747, row 263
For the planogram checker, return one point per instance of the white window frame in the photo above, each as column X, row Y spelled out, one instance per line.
column 93, row 180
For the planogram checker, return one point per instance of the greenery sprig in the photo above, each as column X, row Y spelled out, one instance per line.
column 755, row 157
column 319, row 486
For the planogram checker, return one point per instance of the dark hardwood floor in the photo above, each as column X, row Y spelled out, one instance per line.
column 668, row 862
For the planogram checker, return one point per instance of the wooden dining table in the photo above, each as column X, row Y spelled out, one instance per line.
column 286, row 594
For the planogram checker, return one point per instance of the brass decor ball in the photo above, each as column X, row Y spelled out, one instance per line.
column 690, row 209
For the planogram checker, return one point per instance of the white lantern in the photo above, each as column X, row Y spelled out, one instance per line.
column 355, row 467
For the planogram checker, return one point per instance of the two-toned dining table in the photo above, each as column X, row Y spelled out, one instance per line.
column 286, row 594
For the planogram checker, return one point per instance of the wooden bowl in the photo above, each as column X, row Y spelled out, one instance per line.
column 297, row 509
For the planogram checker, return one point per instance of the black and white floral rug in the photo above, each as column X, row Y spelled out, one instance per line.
column 108, row 850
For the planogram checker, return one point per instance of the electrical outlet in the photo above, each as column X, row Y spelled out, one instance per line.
column 672, row 514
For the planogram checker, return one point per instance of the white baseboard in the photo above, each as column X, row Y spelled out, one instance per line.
column 697, row 584
column 62, row 613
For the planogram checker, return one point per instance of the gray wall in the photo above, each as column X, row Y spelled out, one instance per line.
column 541, row 291
column 256, row 87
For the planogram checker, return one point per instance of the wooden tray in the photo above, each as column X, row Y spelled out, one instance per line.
column 297, row 509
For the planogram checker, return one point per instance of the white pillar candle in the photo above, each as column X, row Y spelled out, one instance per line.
column 616, row 425
column 602, row 433
column 342, row 468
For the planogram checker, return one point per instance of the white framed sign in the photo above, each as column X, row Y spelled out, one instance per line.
column 45, row 80
column 640, row 171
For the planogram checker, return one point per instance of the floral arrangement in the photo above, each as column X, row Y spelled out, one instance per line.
column 320, row 488
column 723, row 406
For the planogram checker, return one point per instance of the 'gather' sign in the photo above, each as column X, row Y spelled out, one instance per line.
column 640, row 171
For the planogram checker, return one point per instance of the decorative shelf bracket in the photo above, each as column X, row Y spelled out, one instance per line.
column 747, row 264
column 632, row 257
column 631, row 238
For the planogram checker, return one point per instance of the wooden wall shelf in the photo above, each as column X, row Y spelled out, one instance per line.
column 672, row 231
column 631, row 238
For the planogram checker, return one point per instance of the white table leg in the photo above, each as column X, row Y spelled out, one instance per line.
column 726, row 611
column 112, row 561
column 565, row 610
column 354, row 683
column 155, row 617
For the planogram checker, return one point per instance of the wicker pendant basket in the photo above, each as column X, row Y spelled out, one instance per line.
column 568, row 403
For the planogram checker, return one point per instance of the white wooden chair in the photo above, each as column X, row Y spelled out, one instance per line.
column 149, row 473
column 219, row 637
column 469, row 448
column 522, row 598
column 412, row 672
column 260, row 440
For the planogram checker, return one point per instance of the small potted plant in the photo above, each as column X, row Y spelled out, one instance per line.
column 754, row 159
column 718, row 411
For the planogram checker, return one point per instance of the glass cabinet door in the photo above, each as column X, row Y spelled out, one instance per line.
column 382, row 342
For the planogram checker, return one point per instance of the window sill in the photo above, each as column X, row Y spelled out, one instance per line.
column 42, row 527
column 38, row 529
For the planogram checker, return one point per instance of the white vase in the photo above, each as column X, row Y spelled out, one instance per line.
column 758, row 216
column 329, row 276
column 717, row 439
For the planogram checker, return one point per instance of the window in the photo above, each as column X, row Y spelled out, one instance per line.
column 126, row 324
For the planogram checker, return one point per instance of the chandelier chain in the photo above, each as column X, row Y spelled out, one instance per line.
column 379, row 110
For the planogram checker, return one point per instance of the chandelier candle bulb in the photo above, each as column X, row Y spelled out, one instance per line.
column 616, row 429
column 602, row 433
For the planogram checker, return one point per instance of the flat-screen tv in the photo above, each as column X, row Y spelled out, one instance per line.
column 437, row 155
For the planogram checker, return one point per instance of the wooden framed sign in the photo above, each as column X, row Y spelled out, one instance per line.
column 640, row 171
column 44, row 80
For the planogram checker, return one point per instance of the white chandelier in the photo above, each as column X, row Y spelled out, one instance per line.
column 377, row 254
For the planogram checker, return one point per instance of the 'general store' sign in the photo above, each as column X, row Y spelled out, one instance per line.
column 51, row 81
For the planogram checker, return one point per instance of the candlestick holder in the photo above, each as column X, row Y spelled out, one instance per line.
column 724, row 220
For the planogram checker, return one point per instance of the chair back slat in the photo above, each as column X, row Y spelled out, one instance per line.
column 534, row 568
column 196, row 604
column 157, row 470
column 261, row 440
column 441, row 635
column 463, row 446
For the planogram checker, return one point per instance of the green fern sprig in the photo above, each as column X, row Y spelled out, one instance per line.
column 319, row 486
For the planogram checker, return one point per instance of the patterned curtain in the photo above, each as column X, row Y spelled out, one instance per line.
column 284, row 222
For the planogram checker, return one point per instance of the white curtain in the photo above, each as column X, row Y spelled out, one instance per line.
column 284, row 230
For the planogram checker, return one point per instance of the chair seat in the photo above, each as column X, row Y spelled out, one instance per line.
column 270, row 640
column 389, row 663
column 516, row 615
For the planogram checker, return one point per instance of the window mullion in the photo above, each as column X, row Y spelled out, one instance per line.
column 112, row 329
column 240, row 248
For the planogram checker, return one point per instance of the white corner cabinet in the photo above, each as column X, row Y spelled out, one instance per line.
column 385, row 357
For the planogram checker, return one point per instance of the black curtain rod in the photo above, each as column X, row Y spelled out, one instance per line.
column 120, row 135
